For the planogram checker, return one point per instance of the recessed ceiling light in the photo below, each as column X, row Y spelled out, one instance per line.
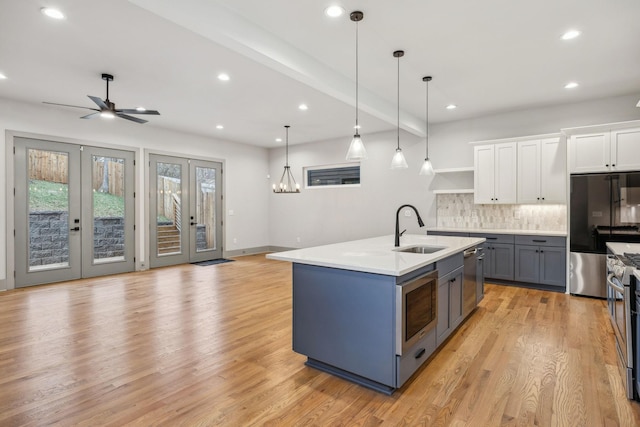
column 219, row 127
column 52, row 13
column 2, row 76
column 303, row 107
column 141, row 109
column 571, row 34
column 224, row 77
column 334, row 11
column 571, row 85
column 451, row 107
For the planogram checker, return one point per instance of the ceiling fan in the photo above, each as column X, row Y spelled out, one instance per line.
column 108, row 108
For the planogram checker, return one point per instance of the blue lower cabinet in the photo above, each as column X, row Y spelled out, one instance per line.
column 541, row 260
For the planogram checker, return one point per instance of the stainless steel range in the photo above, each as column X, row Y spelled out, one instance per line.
column 620, row 300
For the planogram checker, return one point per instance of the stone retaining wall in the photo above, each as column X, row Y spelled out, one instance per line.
column 49, row 238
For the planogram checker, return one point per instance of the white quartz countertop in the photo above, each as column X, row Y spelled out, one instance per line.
column 377, row 254
column 500, row 231
column 620, row 248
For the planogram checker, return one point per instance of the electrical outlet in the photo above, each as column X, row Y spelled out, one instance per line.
column 298, row 239
column 235, row 240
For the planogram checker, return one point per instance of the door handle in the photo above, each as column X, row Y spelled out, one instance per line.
column 74, row 229
column 193, row 223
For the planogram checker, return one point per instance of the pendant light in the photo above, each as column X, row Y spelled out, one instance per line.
column 427, row 168
column 398, row 161
column 288, row 183
column 356, row 148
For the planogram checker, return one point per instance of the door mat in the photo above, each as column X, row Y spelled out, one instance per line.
column 213, row 261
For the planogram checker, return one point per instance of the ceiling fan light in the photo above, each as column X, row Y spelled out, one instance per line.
column 141, row 109
column 107, row 114
column 356, row 149
column 398, row 161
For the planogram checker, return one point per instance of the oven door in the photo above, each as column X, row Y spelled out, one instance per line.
column 617, row 311
column 619, row 302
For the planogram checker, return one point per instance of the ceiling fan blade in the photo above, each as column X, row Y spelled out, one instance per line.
column 99, row 102
column 91, row 116
column 135, row 111
column 67, row 105
column 133, row 119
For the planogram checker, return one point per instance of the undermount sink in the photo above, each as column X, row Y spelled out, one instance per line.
column 421, row 249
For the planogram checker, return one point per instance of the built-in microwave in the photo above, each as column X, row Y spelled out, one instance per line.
column 416, row 310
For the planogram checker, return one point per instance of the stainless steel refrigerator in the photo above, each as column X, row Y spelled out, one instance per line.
column 604, row 207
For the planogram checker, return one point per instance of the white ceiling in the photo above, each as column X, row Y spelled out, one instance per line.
column 485, row 56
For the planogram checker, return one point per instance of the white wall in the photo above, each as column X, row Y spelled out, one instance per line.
column 322, row 216
column 245, row 167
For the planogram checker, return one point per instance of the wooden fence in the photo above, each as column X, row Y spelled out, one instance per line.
column 167, row 188
column 52, row 167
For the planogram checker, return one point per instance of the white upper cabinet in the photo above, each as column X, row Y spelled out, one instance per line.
column 495, row 173
column 542, row 171
column 625, row 150
column 607, row 151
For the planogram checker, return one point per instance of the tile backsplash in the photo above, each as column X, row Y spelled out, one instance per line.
column 459, row 211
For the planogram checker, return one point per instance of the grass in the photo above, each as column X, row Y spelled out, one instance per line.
column 51, row 196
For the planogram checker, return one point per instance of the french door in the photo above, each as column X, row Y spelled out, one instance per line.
column 185, row 210
column 74, row 211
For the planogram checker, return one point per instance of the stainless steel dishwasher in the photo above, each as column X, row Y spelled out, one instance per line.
column 473, row 283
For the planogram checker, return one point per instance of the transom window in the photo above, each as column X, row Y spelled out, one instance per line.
column 333, row 176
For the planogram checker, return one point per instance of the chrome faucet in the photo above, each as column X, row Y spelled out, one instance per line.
column 398, row 233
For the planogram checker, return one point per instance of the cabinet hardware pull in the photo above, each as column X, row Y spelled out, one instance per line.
column 541, row 241
column 613, row 165
column 420, row 353
column 491, row 238
column 75, row 229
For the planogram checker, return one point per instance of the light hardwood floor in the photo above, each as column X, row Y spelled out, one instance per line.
column 191, row 345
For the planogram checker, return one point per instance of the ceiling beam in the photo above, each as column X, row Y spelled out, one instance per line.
column 218, row 23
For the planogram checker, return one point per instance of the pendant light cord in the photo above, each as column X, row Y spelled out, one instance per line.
column 398, row 102
column 357, row 128
column 287, row 147
column 427, row 117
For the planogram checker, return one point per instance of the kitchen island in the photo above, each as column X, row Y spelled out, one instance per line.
column 350, row 315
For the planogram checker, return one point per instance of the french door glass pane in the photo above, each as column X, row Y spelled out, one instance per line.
column 169, row 208
column 205, row 209
column 48, row 209
column 108, row 209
